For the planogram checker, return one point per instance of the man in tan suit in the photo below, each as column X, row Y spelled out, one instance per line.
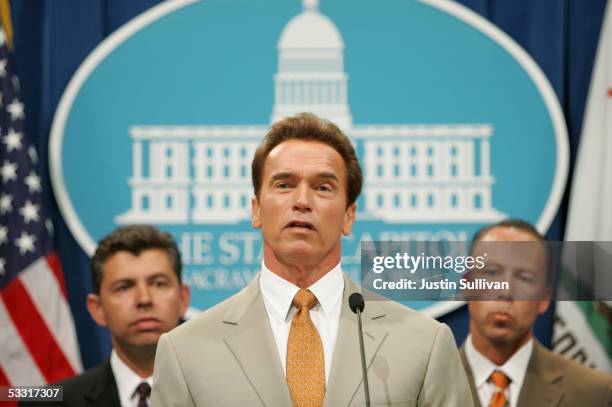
column 289, row 338
column 505, row 365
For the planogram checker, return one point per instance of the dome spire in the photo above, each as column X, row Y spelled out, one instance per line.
column 310, row 5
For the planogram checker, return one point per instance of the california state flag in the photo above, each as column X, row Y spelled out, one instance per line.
column 583, row 328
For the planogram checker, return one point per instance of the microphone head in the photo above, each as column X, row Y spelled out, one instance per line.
column 356, row 301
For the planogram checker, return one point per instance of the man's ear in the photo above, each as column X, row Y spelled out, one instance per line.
column 349, row 219
column 94, row 306
column 255, row 212
column 545, row 302
column 185, row 298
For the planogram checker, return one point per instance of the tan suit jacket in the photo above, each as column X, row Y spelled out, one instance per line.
column 227, row 356
column 553, row 380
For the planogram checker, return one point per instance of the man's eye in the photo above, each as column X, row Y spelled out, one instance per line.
column 123, row 287
column 325, row 188
column 160, row 283
column 282, row 185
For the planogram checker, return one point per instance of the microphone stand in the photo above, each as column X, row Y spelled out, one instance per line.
column 366, row 386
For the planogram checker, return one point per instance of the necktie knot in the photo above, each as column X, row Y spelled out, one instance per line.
column 500, row 380
column 144, row 391
column 304, row 298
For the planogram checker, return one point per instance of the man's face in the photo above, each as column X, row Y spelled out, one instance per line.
column 140, row 297
column 302, row 207
column 510, row 318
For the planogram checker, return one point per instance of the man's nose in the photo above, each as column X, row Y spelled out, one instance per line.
column 143, row 295
column 506, row 294
column 303, row 198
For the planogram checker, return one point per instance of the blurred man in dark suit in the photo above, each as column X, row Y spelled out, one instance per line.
column 137, row 295
column 505, row 365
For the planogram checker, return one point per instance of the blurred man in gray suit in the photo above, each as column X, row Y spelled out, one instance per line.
column 505, row 365
column 289, row 338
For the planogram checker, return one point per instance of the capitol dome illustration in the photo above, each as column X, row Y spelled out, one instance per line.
column 311, row 75
column 310, row 30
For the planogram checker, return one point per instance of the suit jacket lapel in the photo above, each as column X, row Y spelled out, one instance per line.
column 345, row 375
column 254, row 348
column 103, row 391
column 538, row 388
column 470, row 376
column 541, row 378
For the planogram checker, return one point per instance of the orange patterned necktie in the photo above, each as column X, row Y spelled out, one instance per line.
column 305, row 363
column 501, row 381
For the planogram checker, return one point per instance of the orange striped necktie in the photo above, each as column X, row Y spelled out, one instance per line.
column 501, row 381
column 305, row 361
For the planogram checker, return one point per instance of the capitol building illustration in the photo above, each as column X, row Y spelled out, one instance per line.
column 412, row 173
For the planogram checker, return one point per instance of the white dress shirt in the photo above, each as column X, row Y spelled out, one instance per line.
column 127, row 381
column 515, row 368
column 278, row 296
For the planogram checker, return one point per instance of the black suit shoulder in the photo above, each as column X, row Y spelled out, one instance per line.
column 94, row 387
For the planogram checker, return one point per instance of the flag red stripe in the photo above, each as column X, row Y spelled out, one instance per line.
column 41, row 344
column 4, row 381
column 54, row 263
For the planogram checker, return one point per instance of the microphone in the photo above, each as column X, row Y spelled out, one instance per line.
column 357, row 305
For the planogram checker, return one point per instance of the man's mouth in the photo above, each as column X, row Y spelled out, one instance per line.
column 147, row 323
column 300, row 225
column 501, row 318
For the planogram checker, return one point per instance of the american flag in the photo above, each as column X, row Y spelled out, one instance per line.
column 37, row 338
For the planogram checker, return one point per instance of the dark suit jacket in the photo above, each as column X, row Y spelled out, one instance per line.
column 94, row 388
column 553, row 380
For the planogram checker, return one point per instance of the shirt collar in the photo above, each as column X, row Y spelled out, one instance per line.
column 514, row 368
column 127, row 381
column 280, row 292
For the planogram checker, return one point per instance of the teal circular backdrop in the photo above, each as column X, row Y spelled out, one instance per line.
column 454, row 124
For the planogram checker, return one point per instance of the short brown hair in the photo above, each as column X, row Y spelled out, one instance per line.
column 513, row 223
column 308, row 126
column 133, row 239
column 522, row 226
